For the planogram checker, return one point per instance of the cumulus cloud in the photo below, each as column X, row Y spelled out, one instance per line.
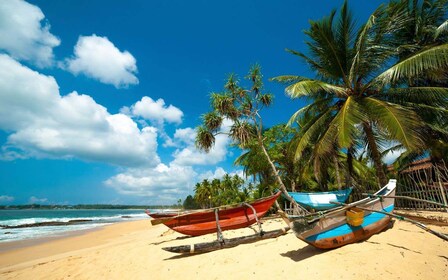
column 177, row 178
column 168, row 181
column 155, row 111
column 98, row 58
column 218, row 174
column 45, row 124
column 190, row 155
column 6, row 198
column 25, row 35
column 34, row 200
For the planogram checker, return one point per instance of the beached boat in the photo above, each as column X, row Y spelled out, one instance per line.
column 321, row 200
column 218, row 219
column 158, row 215
column 348, row 223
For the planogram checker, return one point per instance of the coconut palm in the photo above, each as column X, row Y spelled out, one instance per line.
column 203, row 194
column 241, row 106
column 359, row 97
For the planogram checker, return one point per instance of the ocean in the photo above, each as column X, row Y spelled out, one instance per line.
column 27, row 224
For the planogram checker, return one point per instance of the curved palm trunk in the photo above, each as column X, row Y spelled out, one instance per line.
column 297, row 208
column 336, row 170
column 376, row 156
column 349, row 170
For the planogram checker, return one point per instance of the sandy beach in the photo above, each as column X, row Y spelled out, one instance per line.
column 133, row 250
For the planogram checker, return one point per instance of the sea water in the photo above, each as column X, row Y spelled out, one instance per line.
column 74, row 220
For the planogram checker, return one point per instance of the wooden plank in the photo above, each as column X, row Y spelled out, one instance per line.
column 227, row 243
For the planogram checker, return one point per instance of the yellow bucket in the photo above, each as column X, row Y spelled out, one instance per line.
column 354, row 216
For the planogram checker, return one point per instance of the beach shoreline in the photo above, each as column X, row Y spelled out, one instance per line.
column 133, row 250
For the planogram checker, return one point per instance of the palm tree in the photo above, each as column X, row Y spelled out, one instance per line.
column 203, row 193
column 241, row 106
column 358, row 98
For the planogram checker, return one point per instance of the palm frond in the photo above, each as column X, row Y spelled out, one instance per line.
column 360, row 46
column 242, row 133
column 348, row 117
column 433, row 96
column 288, row 79
column 314, row 87
column 307, row 109
column 204, row 139
column 401, row 124
column 312, row 130
column 443, row 28
column 212, row 120
column 324, row 71
column 433, row 58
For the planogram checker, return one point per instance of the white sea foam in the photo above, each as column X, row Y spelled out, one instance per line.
column 15, row 234
column 30, row 221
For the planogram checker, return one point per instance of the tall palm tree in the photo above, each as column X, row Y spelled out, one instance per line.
column 354, row 98
column 242, row 106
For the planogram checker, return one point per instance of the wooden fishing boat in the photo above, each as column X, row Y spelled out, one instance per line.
column 321, row 200
column 218, row 219
column 349, row 223
column 159, row 215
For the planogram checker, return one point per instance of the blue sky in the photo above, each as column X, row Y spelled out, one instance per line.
column 99, row 99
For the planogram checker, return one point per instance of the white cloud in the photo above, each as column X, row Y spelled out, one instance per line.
column 6, row 198
column 391, row 156
column 155, row 111
column 190, row 155
column 34, row 199
column 43, row 123
column 171, row 181
column 98, row 58
column 177, row 179
column 218, row 174
column 186, row 135
column 23, row 35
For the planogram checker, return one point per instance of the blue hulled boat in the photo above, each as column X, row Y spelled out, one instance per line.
column 349, row 223
column 321, row 200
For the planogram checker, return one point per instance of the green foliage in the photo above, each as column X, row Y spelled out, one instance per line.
column 239, row 105
column 218, row 192
column 365, row 94
column 190, row 203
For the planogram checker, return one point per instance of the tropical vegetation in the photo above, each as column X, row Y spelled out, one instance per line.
column 379, row 87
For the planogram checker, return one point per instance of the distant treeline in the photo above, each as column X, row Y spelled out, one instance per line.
column 84, row 206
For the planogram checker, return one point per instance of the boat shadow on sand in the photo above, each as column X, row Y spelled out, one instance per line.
column 303, row 253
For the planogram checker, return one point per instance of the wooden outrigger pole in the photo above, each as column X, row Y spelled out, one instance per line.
column 409, row 198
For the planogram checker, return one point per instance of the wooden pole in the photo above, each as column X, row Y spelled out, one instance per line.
column 407, row 197
column 227, row 243
column 442, row 191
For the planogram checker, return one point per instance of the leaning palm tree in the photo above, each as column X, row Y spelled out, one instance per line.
column 359, row 97
column 242, row 107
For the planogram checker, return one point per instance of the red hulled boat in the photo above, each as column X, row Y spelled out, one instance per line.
column 212, row 220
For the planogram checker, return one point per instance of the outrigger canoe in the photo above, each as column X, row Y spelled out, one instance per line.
column 159, row 215
column 349, row 223
column 218, row 219
column 321, row 200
